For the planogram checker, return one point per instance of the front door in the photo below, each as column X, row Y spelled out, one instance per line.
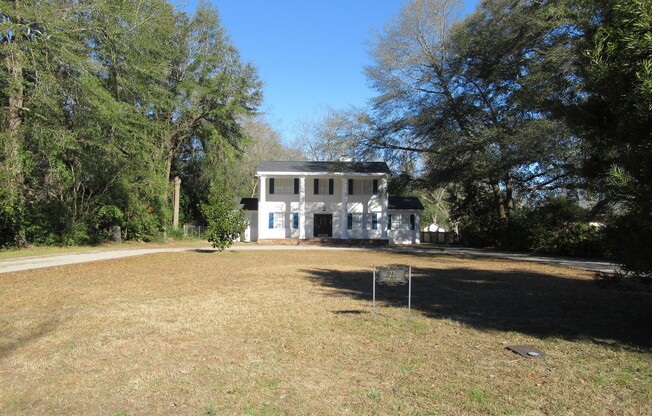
column 323, row 225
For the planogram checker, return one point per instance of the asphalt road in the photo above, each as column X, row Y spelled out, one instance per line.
column 39, row 262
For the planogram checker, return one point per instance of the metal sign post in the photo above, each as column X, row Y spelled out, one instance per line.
column 393, row 276
column 373, row 314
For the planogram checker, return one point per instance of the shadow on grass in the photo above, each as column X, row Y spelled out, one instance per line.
column 203, row 250
column 535, row 304
column 40, row 331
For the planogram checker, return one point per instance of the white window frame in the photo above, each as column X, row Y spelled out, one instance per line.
column 363, row 187
column 358, row 221
column 279, row 220
column 283, row 186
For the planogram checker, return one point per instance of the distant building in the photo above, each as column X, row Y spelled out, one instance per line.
column 339, row 200
column 434, row 228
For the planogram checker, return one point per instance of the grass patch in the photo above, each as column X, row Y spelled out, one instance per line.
column 31, row 251
column 290, row 332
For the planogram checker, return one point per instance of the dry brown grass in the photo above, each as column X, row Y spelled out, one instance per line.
column 271, row 332
column 31, row 251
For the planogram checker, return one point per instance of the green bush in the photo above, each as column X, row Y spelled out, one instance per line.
column 108, row 216
column 479, row 223
column 11, row 217
column 143, row 227
column 557, row 225
column 76, row 235
column 575, row 239
column 175, row 234
column 630, row 244
column 225, row 222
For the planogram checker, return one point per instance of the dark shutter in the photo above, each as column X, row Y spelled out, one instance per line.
column 270, row 224
column 374, row 221
column 389, row 221
column 331, row 186
column 295, row 220
column 271, row 186
column 375, row 187
column 350, row 186
column 412, row 221
column 316, row 186
column 296, row 186
column 349, row 223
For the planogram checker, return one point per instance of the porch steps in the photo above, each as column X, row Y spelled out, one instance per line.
column 341, row 242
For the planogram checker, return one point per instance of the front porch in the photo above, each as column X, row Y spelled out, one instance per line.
column 330, row 242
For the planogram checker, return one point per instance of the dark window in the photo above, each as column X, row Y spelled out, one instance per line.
column 375, row 187
column 331, row 186
column 271, row 220
column 295, row 220
column 389, row 221
column 350, row 186
column 296, row 186
column 271, row 186
column 374, row 221
column 349, row 224
column 412, row 221
column 316, row 186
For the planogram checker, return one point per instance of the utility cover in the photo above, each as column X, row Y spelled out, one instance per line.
column 527, row 351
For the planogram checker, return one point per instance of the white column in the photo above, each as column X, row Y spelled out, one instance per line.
column 302, row 207
column 345, row 201
column 384, row 201
column 262, row 209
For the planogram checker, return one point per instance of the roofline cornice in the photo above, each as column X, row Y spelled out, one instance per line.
column 275, row 173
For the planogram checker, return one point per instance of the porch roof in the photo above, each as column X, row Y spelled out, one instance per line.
column 404, row 203
column 313, row 168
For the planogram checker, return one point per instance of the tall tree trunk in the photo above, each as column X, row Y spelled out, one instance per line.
column 15, row 181
column 499, row 201
column 14, row 107
column 509, row 197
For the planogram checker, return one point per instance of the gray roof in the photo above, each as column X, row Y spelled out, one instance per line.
column 404, row 203
column 249, row 204
column 325, row 167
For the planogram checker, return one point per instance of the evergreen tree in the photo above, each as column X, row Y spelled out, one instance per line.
column 460, row 94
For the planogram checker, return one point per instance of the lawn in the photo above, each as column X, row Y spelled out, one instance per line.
column 291, row 333
column 14, row 253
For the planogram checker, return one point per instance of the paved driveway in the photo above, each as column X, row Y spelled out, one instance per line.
column 38, row 262
column 583, row 264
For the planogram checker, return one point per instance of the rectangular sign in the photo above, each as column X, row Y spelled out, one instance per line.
column 393, row 276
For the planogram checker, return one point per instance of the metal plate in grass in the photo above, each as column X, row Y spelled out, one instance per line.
column 527, row 351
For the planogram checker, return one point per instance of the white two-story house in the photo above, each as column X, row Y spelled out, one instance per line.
column 339, row 200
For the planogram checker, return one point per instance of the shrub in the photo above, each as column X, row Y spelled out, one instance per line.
column 630, row 244
column 145, row 227
column 225, row 222
column 557, row 225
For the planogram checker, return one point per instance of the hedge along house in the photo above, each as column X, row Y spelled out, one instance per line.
column 337, row 200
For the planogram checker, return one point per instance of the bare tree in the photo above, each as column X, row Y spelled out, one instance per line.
column 335, row 135
column 263, row 143
column 450, row 91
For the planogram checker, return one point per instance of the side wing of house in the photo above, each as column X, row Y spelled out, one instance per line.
column 250, row 207
column 404, row 220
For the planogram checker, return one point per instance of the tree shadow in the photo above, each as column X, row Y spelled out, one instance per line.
column 534, row 304
column 38, row 332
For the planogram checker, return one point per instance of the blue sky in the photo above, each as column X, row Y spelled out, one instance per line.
column 310, row 54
